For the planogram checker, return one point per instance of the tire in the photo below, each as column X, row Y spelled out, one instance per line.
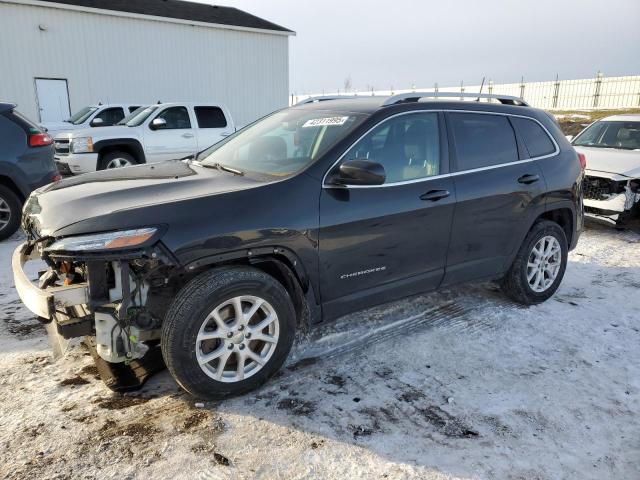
column 10, row 212
column 516, row 284
column 190, row 317
column 111, row 159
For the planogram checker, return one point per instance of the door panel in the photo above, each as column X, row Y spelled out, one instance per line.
column 379, row 243
column 53, row 99
column 499, row 194
column 376, row 236
column 175, row 141
column 491, row 212
column 213, row 126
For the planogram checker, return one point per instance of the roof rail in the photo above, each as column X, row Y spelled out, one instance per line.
column 416, row 96
column 324, row 98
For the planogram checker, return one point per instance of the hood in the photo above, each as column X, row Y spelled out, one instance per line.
column 612, row 161
column 92, row 198
column 97, row 133
column 56, row 127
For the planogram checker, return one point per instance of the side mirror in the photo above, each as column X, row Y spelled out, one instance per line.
column 360, row 172
column 97, row 122
column 158, row 124
column 570, row 138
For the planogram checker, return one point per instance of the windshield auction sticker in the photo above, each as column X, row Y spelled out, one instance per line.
column 328, row 121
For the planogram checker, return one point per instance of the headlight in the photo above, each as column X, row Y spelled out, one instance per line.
column 104, row 241
column 82, row 145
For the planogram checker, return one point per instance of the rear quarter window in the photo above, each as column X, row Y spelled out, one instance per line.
column 482, row 140
column 210, row 117
column 23, row 122
column 535, row 138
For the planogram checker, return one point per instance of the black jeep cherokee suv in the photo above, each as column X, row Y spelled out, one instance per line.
column 307, row 214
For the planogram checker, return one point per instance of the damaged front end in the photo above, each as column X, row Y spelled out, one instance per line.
column 111, row 288
column 614, row 200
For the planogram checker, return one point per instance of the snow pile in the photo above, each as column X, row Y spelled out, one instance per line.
column 456, row 384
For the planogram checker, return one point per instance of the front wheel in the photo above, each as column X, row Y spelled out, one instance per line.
column 116, row 160
column 227, row 331
column 539, row 266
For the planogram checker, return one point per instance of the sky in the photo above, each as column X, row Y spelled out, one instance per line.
column 404, row 43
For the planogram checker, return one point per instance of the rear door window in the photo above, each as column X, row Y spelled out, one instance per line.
column 482, row 140
column 210, row 117
column 535, row 138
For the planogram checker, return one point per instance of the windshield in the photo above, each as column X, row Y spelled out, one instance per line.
column 610, row 134
column 81, row 116
column 283, row 143
column 137, row 117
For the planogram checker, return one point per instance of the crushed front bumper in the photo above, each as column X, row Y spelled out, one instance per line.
column 45, row 303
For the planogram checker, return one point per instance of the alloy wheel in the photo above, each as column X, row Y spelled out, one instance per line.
column 237, row 338
column 544, row 264
column 118, row 163
column 5, row 213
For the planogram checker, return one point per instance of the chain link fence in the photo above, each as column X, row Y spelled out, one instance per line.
column 581, row 94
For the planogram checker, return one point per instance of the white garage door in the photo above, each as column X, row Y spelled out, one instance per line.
column 53, row 99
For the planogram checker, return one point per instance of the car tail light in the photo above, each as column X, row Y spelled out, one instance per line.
column 583, row 160
column 40, row 140
column 56, row 178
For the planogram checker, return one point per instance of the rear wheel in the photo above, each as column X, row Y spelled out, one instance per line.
column 227, row 332
column 116, row 160
column 10, row 210
column 539, row 266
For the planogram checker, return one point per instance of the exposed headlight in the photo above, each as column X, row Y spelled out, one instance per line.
column 82, row 145
column 104, row 241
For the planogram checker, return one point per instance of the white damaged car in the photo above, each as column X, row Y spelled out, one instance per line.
column 611, row 185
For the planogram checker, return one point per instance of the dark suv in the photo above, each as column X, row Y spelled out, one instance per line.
column 307, row 214
column 26, row 163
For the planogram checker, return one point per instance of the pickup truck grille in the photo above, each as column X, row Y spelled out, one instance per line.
column 596, row 188
column 62, row 146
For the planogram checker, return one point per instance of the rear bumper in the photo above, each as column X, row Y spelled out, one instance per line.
column 44, row 302
column 77, row 163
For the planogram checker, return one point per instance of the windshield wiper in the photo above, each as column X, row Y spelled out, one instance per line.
column 223, row 168
column 229, row 169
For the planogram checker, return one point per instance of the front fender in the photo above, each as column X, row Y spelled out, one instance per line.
column 129, row 143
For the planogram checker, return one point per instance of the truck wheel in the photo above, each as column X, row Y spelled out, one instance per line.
column 539, row 266
column 116, row 160
column 10, row 212
column 227, row 331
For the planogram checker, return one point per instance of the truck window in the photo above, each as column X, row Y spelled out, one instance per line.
column 111, row 116
column 177, row 118
column 210, row 117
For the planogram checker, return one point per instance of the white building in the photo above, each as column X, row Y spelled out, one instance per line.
column 59, row 56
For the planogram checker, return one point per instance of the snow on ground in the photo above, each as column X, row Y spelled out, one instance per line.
column 456, row 384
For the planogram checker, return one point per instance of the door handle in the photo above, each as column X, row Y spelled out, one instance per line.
column 529, row 179
column 225, row 134
column 435, row 195
column 187, row 135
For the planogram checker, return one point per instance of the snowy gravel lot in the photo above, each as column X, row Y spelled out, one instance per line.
column 455, row 384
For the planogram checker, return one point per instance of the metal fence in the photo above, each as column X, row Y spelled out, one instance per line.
column 582, row 94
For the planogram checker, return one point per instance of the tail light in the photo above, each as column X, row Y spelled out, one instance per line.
column 40, row 140
column 583, row 160
column 56, row 178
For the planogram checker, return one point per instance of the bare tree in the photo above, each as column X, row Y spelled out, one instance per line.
column 347, row 84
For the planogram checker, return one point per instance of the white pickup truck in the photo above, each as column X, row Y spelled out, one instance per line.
column 100, row 115
column 165, row 131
